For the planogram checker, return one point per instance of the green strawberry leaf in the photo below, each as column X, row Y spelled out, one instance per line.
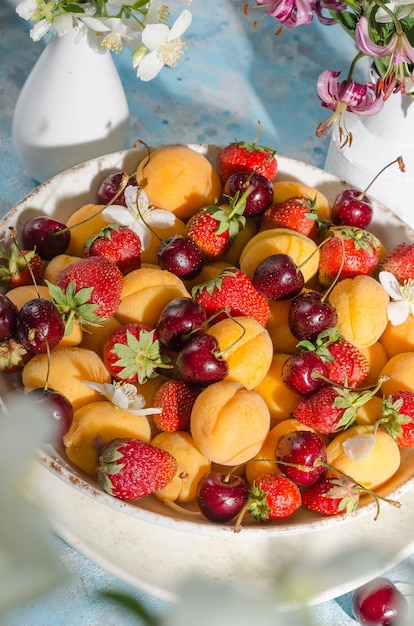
column 139, row 357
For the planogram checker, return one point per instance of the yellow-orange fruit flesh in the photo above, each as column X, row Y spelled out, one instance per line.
column 246, row 347
column 229, row 423
column 191, row 466
column 179, row 179
column 99, row 423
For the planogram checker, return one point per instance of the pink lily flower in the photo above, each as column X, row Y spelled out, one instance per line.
column 291, row 13
column 398, row 47
column 342, row 96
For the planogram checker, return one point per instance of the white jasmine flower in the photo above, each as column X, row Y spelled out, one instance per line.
column 402, row 8
column 29, row 566
column 165, row 45
column 111, row 32
column 359, row 447
column 402, row 304
column 124, row 396
column 138, row 215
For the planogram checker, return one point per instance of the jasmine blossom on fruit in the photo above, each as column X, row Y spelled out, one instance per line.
column 123, row 395
column 138, row 215
column 402, row 303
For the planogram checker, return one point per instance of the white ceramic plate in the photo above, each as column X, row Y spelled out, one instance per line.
column 152, row 547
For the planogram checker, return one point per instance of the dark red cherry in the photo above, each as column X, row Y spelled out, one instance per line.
column 39, row 325
column 200, row 362
column 260, row 196
column 300, row 372
column 379, row 603
column 181, row 256
column 48, row 236
column 310, row 314
column 221, row 496
column 111, row 185
column 179, row 317
column 8, row 317
column 352, row 208
column 278, row 278
column 298, row 450
column 56, row 406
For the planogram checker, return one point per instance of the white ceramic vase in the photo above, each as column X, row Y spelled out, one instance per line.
column 378, row 140
column 71, row 108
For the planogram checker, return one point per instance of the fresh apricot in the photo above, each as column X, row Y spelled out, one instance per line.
column 69, row 368
column 400, row 372
column 229, row 423
column 191, row 466
column 145, row 293
column 361, row 304
column 247, row 348
column 396, row 339
column 377, row 359
column 84, row 223
column 374, row 468
column 278, row 327
column 98, row 423
column 302, row 249
column 179, row 179
column 279, row 398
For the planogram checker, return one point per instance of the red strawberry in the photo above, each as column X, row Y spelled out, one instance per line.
column 13, row 356
column 132, row 353
column 344, row 363
column 233, row 289
column 273, row 497
column 400, row 262
column 176, row 400
column 130, row 468
column 88, row 291
column 397, row 417
column 14, row 267
column 298, row 213
column 346, row 253
column 332, row 495
column 241, row 156
column 214, row 228
column 118, row 244
column 331, row 409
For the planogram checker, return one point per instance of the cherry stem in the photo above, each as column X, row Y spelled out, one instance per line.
column 401, row 166
column 361, row 487
column 221, row 352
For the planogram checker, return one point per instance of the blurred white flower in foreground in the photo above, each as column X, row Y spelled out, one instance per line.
column 29, row 566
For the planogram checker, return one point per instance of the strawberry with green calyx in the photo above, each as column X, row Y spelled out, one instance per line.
column 130, row 468
column 119, row 244
column 13, row 356
column 271, row 497
column 19, row 267
column 345, row 364
column 176, row 399
column 397, row 417
column 332, row 408
column 299, row 213
column 332, row 495
column 214, row 228
column 339, row 493
column 232, row 290
column 88, row 291
column 346, row 253
column 132, row 353
column 241, row 156
column 400, row 262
